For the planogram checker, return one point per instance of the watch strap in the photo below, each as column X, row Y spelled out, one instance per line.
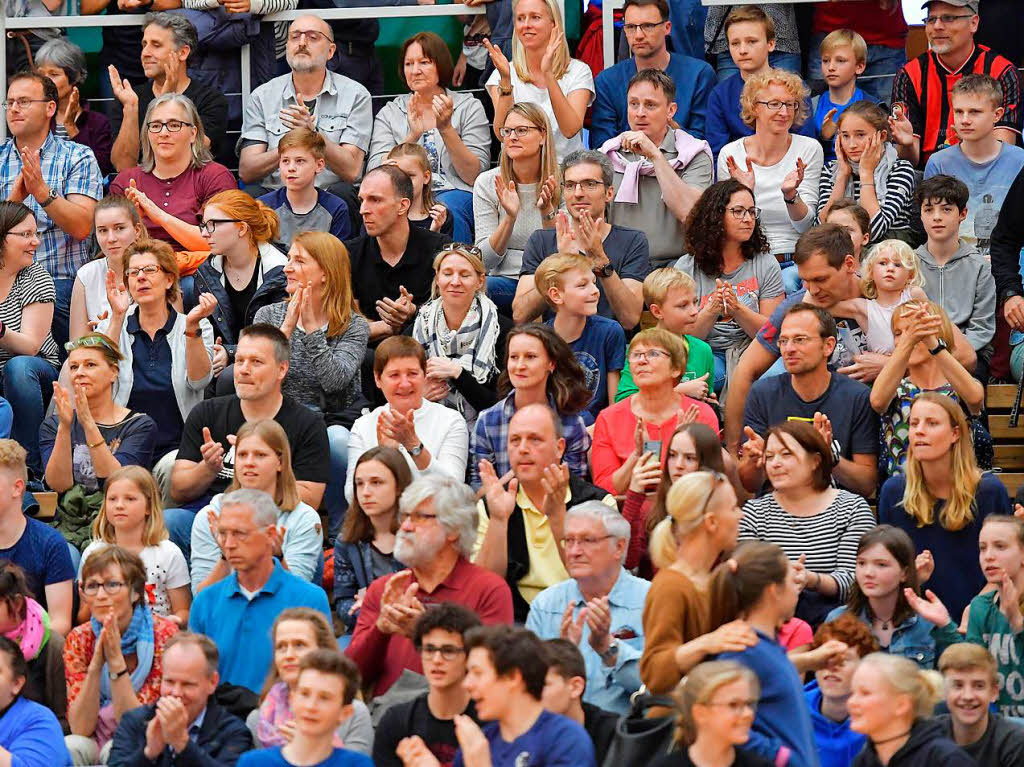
column 49, row 199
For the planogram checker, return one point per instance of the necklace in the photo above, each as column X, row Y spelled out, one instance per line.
column 889, row 740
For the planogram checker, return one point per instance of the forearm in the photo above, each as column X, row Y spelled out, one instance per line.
column 84, row 710
column 255, row 165
column 501, row 106
column 71, row 217
column 311, row 493
column 121, row 692
column 868, row 198
column 678, row 196
column 59, row 475
column 704, row 323
column 380, row 329
column 527, row 306
column 967, row 386
column 910, row 152
column 689, row 654
column 798, row 210
column 197, row 358
column 751, row 476
column 190, row 482
column 500, row 236
column 838, row 193
column 859, row 478
column 884, row 387
column 125, row 152
column 466, row 164
column 626, row 305
column 493, row 554
column 104, row 462
column 749, row 319
column 187, row 235
column 345, row 160
column 220, row 571
column 19, row 342
column 570, row 122
column 824, row 584
column 739, row 388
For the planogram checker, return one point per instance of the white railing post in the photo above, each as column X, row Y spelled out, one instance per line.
column 3, row 63
column 246, row 76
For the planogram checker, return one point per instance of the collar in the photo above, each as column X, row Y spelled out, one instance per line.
column 508, row 406
column 132, row 322
column 459, row 577
column 969, row 60
column 523, row 502
column 270, row 587
column 615, row 595
column 198, row 722
column 329, row 85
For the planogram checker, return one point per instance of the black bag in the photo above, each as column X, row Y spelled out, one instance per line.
column 640, row 739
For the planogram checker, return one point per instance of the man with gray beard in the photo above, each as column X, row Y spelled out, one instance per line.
column 310, row 96
column 438, row 521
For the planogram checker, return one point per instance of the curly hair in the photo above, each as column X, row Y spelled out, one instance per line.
column 791, row 82
column 705, row 232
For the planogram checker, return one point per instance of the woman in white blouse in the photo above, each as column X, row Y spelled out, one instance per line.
column 781, row 168
column 542, row 72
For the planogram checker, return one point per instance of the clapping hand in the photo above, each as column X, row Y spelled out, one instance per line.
column 554, row 482
column 499, row 493
column 442, row 107
column 399, row 427
column 298, row 116
column 571, row 629
column 122, row 89
column 828, row 125
column 414, row 752
column 476, row 750
column 924, row 564
column 824, row 427
column 62, row 404
column 744, row 176
column 793, row 179
column 396, row 312
column 508, row 196
column 71, row 113
column 220, row 357
column 294, row 310
column 555, row 41
column 1009, row 602
column 82, row 408
column 117, row 295
column 800, row 572
column 499, row 60
column 546, row 197
column 143, row 204
column 930, row 608
column 565, row 234
column 399, row 607
column 599, row 620
column 32, row 175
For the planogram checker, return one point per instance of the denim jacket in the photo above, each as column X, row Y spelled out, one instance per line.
column 912, row 639
column 353, row 570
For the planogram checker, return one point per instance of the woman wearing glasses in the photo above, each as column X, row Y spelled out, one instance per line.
column 780, row 167
column 817, row 525
column 113, row 663
column 28, row 353
column 244, row 271
column 867, row 169
column 460, row 329
column 177, row 175
column 738, row 282
column 263, row 461
column 638, row 429
column 167, row 355
column 450, row 126
column 90, row 436
column 514, row 199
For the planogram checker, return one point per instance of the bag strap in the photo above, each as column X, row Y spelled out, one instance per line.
column 718, row 30
column 782, row 758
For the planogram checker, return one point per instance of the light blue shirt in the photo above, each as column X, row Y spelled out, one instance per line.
column 608, row 687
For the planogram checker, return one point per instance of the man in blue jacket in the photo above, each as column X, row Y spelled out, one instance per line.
column 185, row 727
column 647, row 29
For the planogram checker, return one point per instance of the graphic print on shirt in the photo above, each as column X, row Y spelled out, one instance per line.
column 1011, row 685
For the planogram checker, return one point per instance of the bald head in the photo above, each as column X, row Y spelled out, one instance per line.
column 310, row 45
column 534, row 442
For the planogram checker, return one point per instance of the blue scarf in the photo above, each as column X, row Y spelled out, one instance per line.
column 138, row 639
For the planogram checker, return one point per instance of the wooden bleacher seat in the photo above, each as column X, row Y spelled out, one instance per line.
column 1009, row 443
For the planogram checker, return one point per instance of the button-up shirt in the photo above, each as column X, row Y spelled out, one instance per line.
column 68, row 168
column 343, row 116
column 608, row 687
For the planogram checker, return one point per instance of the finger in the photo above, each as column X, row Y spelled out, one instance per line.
column 207, row 436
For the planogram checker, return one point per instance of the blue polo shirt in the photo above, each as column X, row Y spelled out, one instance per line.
column 241, row 627
column 152, row 392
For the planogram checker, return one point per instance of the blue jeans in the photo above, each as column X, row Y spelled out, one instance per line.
column 883, row 64
column 62, row 314
column 337, row 436
column 501, row 290
column 720, row 367
column 179, row 525
column 28, row 385
column 724, row 66
column 460, row 207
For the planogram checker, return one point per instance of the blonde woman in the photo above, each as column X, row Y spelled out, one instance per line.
column 541, row 72
column 891, row 703
column 328, row 340
column 781, row 168
column 918, row 327
column 942, row 499
column 516, row 198
column 177, row 174
column 132, row 517
column 263, row 461
column 459, row 329
column 715, row 710
column 702, row 524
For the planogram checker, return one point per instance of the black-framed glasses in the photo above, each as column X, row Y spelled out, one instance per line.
column 210, row 225
column 92, row 588
column 946, row 18
column 312, row 35
column 446, row 651
column 776, row 106
column 587, row 184
column 741, row 213
column 646, row 28
column 23, row 102
column 173, row 126
column 149, row 270
column 520, row 130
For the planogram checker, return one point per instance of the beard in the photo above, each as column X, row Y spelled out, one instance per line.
column 413, row 551
column 308, row 63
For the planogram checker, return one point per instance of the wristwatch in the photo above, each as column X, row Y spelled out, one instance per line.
column 605, row 271
column 939, row 346
column 504, row 90
column 792, row 200
column 114, row 675
column 609, row 655
column 414, row 452
column 49, row 198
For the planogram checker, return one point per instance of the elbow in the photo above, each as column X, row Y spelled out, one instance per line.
column 631, row 318
column 520, row 314
column 247, row 173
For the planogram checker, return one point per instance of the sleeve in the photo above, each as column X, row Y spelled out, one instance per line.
column 603, row 458
column 475, row 130
column 121, row 182
column 752, row 515
column 864, row 432
column 981, row 326
column 495, row 605
column 860, row 521
column 38, row 287
column 337, row 363
column 577, row 447
column 614, row 348
column 357, row 445
column 390, row 730
column 533, row 254
column 1009, row 81
column 899, row 191
column 627, row 386
column 311, row 453
column 47, row 437
column 636, row 263
column 603, row 122
column 903, row 93
column 699, row 172
column 769, row 278
column 706, row 81
column 254, row 124
column 58, row 559
column 889, row 497
column 216, row 178
column 102, row 144
column 486, row 214
column 6, row 419
column 359, row 125
column 814, row 158
column 824, row 188
column 346, row 585
column 175, row 567
column 214, row 113
column 763, row 742
column 356, row 732
column 571, row 748
column 934, row 166
column 1007, row 241
column 453, row 454
column 303, row 543
column 768, row 335
column 341, row 222
column 663, row 621
column 137, row 440
column 384, row 135
column 633, row 512
column 76, row 662
column 205, row 551
column 480, row 449
column 129, row 743
column 579, row 77
column 369, row 646
column 716, row 130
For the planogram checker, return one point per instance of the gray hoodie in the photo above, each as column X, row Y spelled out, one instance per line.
column 391, row 126
column 964, row 288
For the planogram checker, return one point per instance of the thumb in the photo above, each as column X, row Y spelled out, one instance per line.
column 513, row 486
column 132, row 183
column 704, row 377
column 220, row 341
column 751, row 434
column 803, row 559
column 831, row 113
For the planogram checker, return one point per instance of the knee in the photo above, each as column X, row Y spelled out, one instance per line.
column 83, row 750
column 337, row 437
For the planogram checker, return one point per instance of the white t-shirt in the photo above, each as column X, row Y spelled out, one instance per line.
column 577, row 77
column 165, row 570
column 93, row 277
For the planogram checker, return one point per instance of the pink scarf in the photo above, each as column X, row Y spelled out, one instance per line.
column 32, row 633
column 687, row 147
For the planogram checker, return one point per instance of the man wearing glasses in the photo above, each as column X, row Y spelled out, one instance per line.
column 309, row 96
column 437, row 527
column 922, row 116
column 168, row 40
column 647, row 29
column 619, row 257
column 58, row 180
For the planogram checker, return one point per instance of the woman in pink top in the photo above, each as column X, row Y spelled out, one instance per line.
column 177, row 175
column 639, row 428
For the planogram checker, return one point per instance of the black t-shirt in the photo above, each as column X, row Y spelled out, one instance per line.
column 211, row 104
column 1002, row 745
column 307, row 437
column 240, row 299
column 373, row 278
column 414, row 718
column 682, row 759
column 122, row 47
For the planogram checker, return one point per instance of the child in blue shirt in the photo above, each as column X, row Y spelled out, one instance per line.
column 568, row 284
column 844, row 54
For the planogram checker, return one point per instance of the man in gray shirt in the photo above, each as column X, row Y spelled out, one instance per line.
column 660, row 171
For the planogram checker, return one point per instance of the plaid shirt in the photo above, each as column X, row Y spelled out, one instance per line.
column 68, row 168
column 490, row 440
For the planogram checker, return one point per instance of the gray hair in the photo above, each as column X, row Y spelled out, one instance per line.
column 64, row 54
column 454, row 504
column 589, row 157
column 200, row 154
column 264, row 510
column 616, row 525
column 183, row 32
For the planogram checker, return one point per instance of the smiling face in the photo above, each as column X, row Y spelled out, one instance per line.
column 956, row 38
column 579, row 198
column 1000, row 551
column 854, row 134
column 90, row 370
column 157, row 49
column 402, row 381
column 187, row 677
column 102, row 603
column 20, row 246
column 578, row 292
column 491, row 693
column 533, row 24
column 115, row 231
column 257, row 465
column 148, row 289
column 968, row 694
column 293, row 640
column 35, row 116
column 749, row 45
column 169, row 146
column 302, row 269
column 728, row 715
column 874, row 705
column 441, row 673
column 419, row 69
column 528, row 362
column 125, row 505
column 878, row 572
column 787, row 464
column 526, row 146
column 457, row 281
column 836, row 679
column 932, row 435
column 318, row 702
column 647, row 107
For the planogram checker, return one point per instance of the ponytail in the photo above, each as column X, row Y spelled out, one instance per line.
column 686, row 503
column 738, row 584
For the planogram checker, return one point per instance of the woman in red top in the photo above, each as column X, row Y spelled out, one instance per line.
column 113, row 663
column 657, row 359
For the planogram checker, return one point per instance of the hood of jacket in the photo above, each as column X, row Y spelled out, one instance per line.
column 837, row 743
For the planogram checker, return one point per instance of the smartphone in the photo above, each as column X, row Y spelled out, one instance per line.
column 653, row 446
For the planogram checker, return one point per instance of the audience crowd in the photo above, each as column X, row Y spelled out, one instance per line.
column 551, row 396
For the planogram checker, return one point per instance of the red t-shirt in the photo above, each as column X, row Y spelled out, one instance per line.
column 876, row 26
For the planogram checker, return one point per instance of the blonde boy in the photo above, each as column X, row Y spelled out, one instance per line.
column 568, row 285
column 844, row 55
column 671, row 296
